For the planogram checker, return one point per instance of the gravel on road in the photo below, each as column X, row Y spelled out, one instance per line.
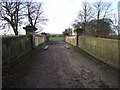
column 61, row 67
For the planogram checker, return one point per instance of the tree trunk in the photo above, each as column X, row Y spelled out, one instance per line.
column 77, row 40
column 98, row 24
column 14, row 28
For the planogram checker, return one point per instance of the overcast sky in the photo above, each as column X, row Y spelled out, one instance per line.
column 62, row 13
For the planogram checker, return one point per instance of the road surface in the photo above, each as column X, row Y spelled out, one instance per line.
column 61, row 67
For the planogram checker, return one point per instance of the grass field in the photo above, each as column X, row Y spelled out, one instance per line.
column 57, row 38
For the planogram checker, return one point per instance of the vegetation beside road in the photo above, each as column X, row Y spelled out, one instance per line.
column 82, row 52
column 25, row 58
column 10, row 69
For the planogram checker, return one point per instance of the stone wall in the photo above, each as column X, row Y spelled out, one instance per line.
column 71, row 39
column 13, row 46
column 40, row 39
column 105, row 50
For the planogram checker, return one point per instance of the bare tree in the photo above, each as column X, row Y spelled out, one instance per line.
column 115, row 24
column 12, row 13
column 35, row 14
column 9, row 12
column 85, row 14
column 101, row 9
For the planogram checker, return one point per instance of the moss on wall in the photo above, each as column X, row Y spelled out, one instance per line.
column 14, row 46
column 105, row 50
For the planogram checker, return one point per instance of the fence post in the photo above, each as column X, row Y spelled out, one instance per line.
column 30, row 30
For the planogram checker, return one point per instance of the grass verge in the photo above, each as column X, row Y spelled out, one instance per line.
column 29, row 56
column 87, row 55
column 10, row 69
column 81, row 51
